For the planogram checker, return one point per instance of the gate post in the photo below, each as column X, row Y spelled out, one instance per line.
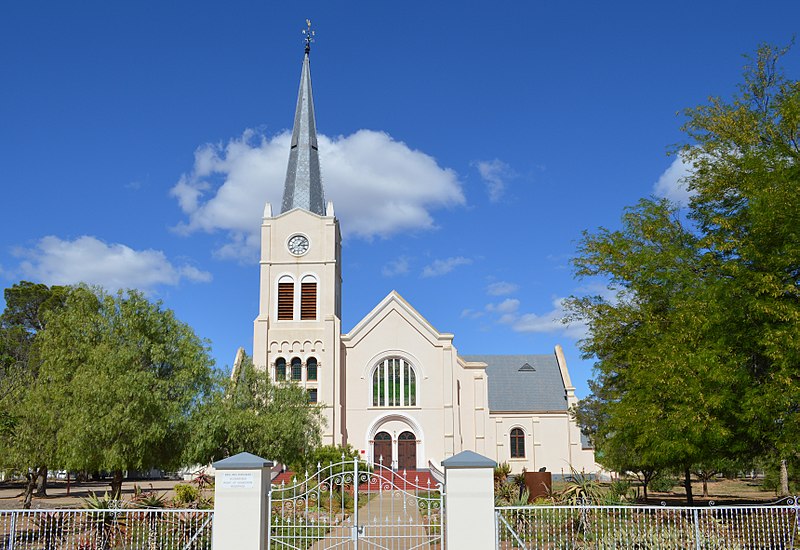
column 469, row 501
column 240, row 503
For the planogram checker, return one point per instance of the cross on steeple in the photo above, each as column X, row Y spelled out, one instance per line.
column 309, row 36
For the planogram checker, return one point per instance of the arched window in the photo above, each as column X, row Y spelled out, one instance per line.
column 311, row 368
column 394, row 384
column 280, row 368
column 308, row 298
column 517, row 443
column 285, row 298
column 297, row 369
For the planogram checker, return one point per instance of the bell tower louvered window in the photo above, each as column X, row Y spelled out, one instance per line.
column 285, row 299
column 308, row 299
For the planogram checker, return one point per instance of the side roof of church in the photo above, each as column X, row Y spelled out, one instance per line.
column 523, row 382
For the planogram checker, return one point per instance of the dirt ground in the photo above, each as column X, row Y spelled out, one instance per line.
column 720, row 491
column 57, row 497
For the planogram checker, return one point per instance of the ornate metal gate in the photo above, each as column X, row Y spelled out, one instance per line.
column 355, row 506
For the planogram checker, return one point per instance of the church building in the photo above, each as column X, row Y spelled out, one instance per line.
column 394, row 387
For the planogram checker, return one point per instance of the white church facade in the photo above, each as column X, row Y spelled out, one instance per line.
column 394, row 387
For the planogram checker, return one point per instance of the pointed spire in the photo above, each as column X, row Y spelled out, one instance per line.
column 303, row 188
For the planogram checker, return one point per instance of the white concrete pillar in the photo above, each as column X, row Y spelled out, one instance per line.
column 469, row 500
column 240, row 503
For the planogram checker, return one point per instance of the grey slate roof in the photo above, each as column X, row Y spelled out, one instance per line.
column 303, row 188
column 512, row 389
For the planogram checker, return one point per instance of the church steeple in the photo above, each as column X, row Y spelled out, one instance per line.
column 303, row 188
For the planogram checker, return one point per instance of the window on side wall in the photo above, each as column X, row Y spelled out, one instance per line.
column 517, row 443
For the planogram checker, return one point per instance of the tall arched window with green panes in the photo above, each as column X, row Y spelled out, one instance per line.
column 394, row 384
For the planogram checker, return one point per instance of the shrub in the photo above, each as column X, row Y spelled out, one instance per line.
column 620, row 487
column 663, row 483
column 186, row 494
column 501, row 473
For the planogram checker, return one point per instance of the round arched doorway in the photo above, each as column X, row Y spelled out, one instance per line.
column 382, row 449
column 406, row 451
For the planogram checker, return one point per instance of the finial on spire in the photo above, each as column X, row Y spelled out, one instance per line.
column 309, row 36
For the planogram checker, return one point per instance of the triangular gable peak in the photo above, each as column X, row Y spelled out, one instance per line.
column 393, row 302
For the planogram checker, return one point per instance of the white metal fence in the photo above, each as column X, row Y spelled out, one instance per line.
column 648, row 527
column 123, row 529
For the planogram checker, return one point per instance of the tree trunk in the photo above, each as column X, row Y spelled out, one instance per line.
column 41, row 483
column 687, row 483
column 705, row 487
column 784, row 479
column 30, row 486
column 116, row 484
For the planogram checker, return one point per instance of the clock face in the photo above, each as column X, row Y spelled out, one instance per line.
column 298, row 245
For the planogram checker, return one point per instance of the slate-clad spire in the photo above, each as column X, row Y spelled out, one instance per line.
column 303, row 187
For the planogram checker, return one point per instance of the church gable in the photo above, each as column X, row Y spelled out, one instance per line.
column 394, row 311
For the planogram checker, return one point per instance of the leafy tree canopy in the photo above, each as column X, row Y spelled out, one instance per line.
column 252, row 414
column 119, row 377
column 698, row 341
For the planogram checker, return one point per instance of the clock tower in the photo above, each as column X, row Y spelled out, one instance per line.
column 297, row 334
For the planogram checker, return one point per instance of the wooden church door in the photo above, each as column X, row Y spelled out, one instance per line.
column 407, row 451
column 382, row 449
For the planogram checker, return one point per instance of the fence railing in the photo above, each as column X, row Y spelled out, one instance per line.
column 645, row 527
column 124, row 529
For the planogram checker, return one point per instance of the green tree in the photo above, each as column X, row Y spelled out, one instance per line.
column 25, row 316
column 120, row 376
column 698, row 349
column 660, row 399
column 746, row 181
column 250, row 413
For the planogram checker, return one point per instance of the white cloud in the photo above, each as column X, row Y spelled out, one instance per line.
column 379, row 186
column 509, row 305
column 671, row 184
column 494, row 174
column 501, row 288
column 442, row 267
column 114, row 266
column 471, row 314
column 549, row 322
column 399, row 266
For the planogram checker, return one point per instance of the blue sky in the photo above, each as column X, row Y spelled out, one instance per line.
column 467, row 146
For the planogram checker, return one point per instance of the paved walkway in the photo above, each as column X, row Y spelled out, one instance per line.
column 390, row 520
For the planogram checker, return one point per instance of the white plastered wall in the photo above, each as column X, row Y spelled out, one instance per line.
column 395, row 329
